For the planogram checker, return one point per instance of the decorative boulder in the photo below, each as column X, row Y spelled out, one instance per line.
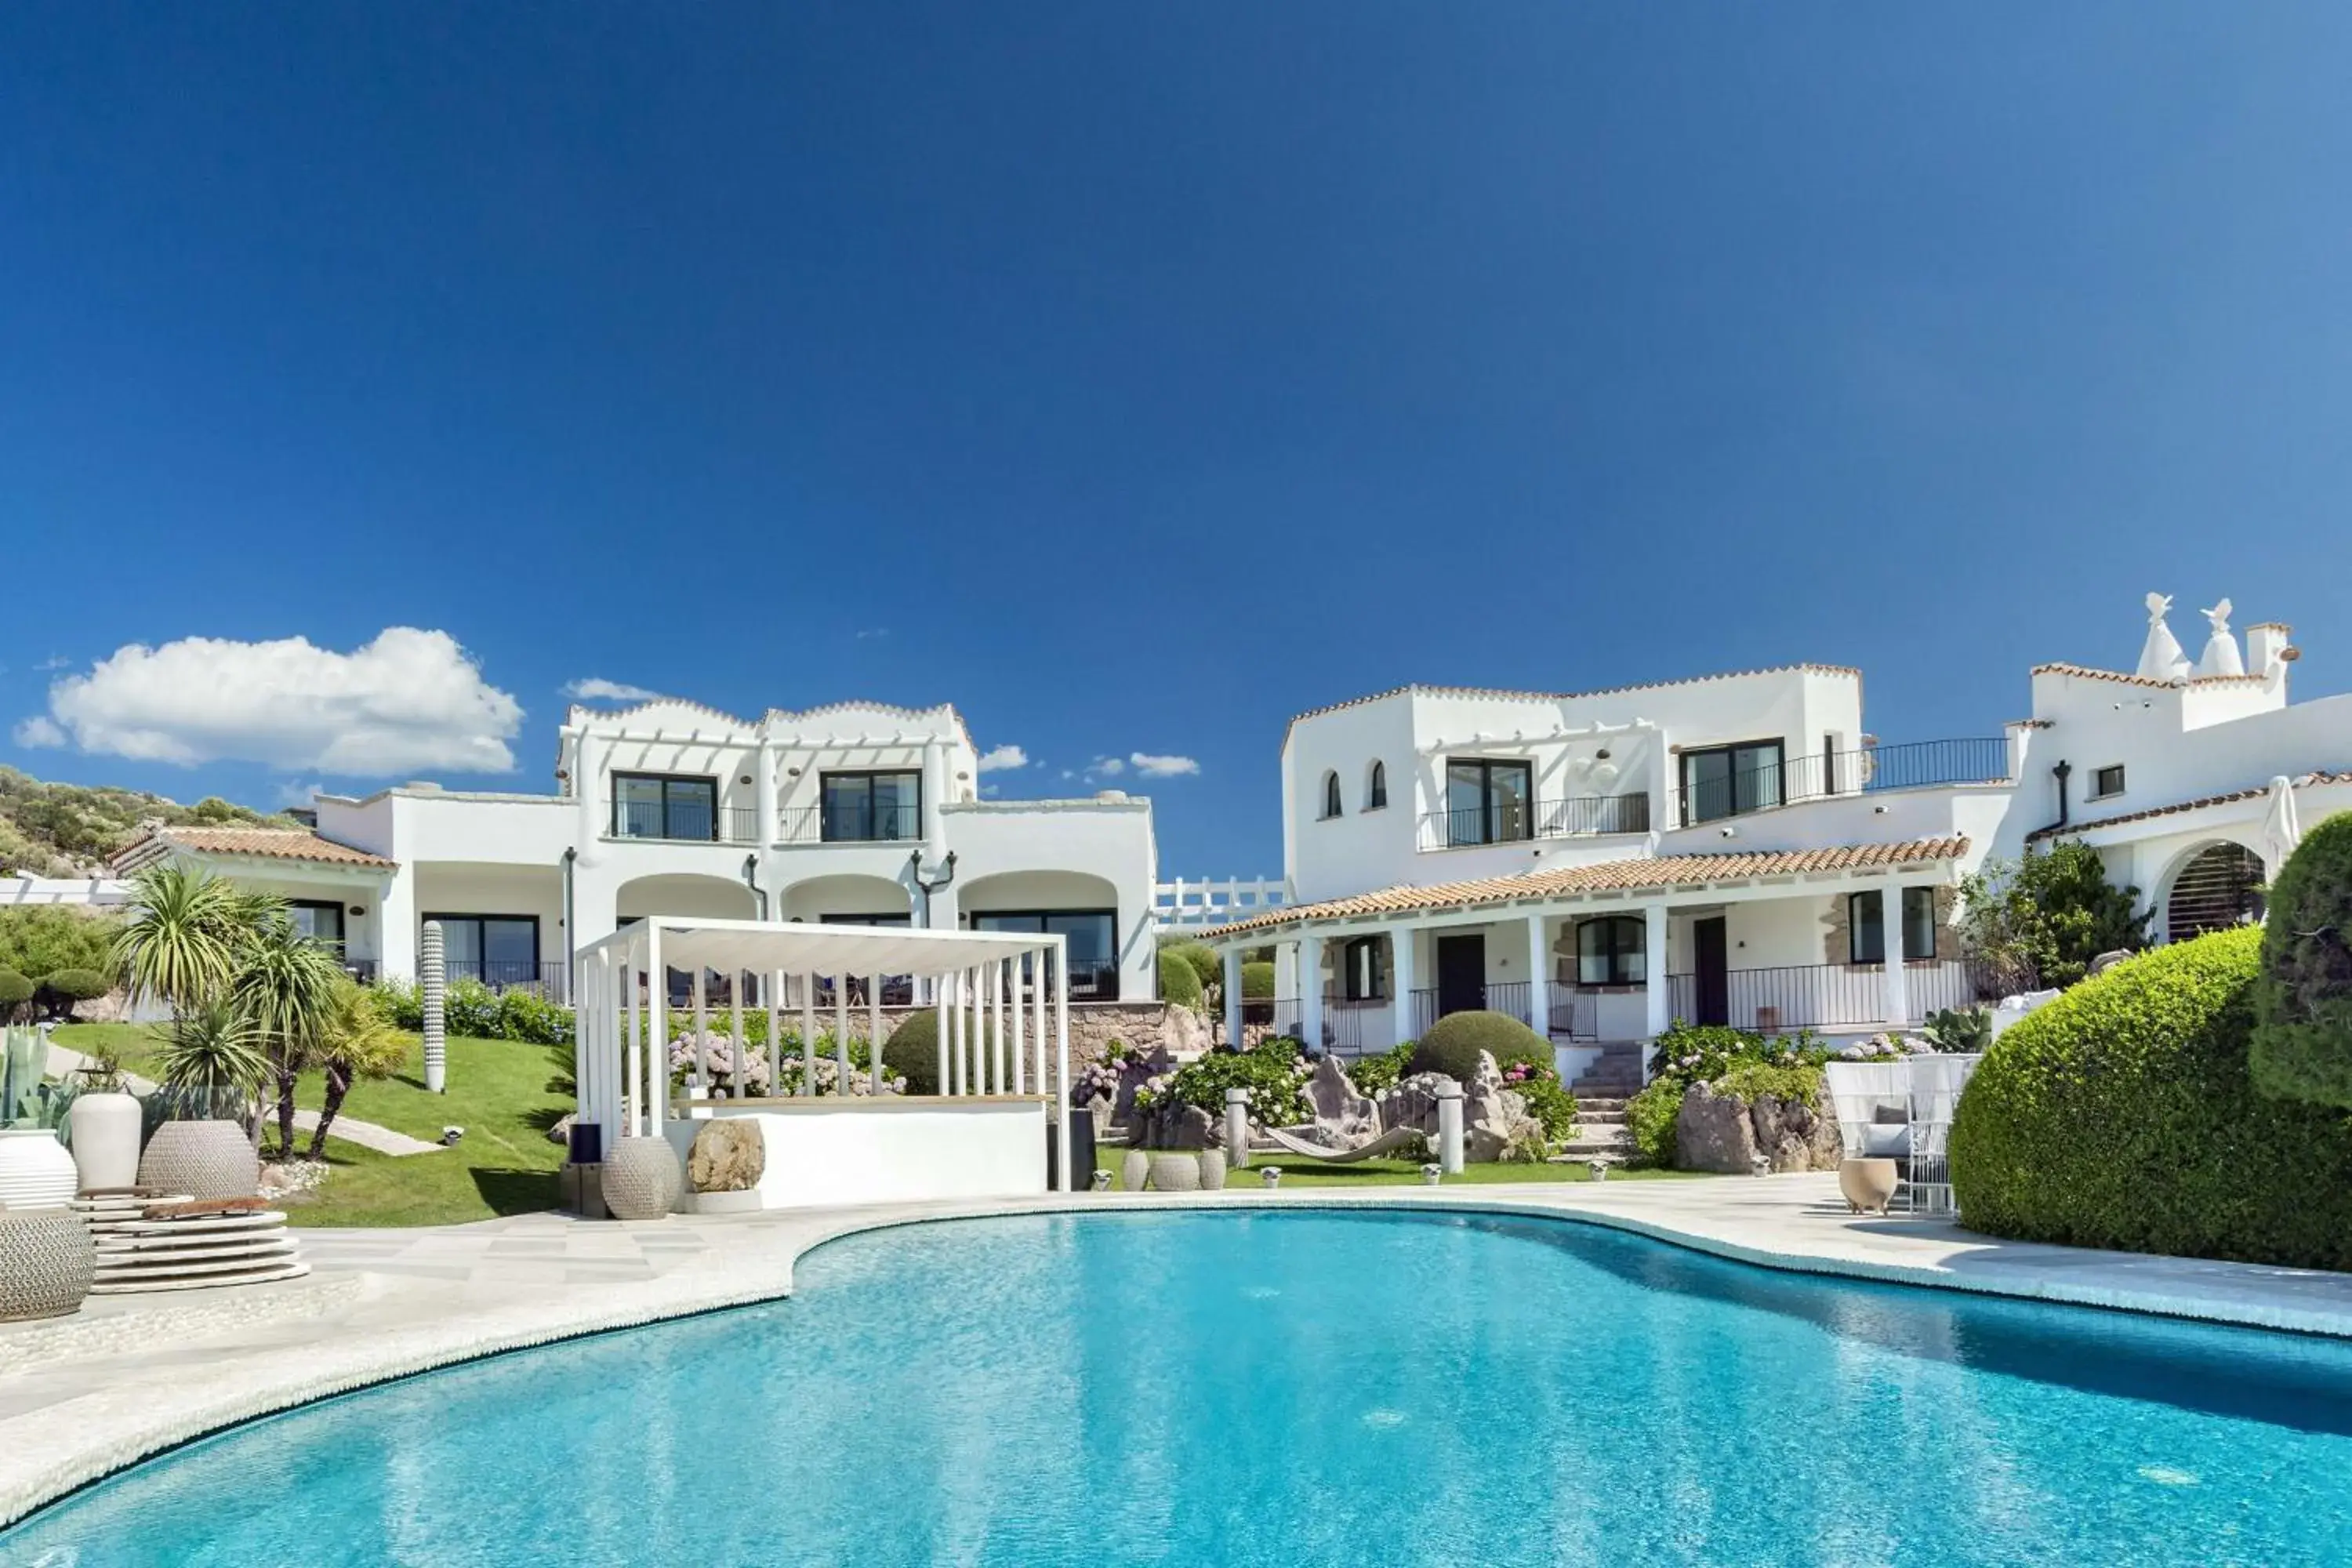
column 1723, row 1133
column 1176, row 1126
column 1338, row 1107
column 1794, row 1136
column 1494, row 1119
column 730, row 1154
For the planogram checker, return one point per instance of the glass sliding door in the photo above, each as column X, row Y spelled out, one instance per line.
column 868, row 806
column 499, row 951
column 1726, row 781
column 1488, row 802
column 1093, row 945
column 655, row 805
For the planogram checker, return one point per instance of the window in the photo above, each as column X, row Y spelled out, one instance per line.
column 1360, row 979
column 497, row 950
column 1866, row 932
column 1829, row 764
column 662, row 806
column 1331, row 797
column 2219, row 889
column 2107, row 781
column 898, row 990
column 320, row 920
column 1611, row 952
column 1725, row 781
column 1093, row 945
column 871, row 805
column 1375, row 787
column 1488, row 802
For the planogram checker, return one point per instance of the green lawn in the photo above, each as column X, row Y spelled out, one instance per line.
column 1297, row 1173
column 135, row 1043
column 504, row 1095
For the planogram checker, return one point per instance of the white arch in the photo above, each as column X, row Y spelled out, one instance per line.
column 812, row 898
column 683, row 893
column 2170, row 879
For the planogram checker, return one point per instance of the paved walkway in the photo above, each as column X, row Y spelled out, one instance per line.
column 129, row 1376
column 63, row 1061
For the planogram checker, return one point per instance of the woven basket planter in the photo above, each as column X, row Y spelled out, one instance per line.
column 203, row 1159
column 46, row 1262
column 641, row 1178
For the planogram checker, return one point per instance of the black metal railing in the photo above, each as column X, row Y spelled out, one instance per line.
column 1495, row 996
column 1351, row 1025
column 1917, row 765
column 1513, row 822
column 853, row 824
column 670, row 822
column 1822, row 995
column 1575, row 1013
column 550, row 979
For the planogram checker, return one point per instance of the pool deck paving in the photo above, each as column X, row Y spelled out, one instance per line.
column 82, row 1396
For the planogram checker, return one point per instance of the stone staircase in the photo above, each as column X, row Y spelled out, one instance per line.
column 1602, row 1091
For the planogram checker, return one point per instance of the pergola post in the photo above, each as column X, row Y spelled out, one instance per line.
column 657, row 1058
column 841, row 1033
column 1057, row 1107
column 775, row 989
column 701, row 1025
column 808, row 1032
column 874, row 1035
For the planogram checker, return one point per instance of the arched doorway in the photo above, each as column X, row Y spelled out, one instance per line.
column 2219, row 888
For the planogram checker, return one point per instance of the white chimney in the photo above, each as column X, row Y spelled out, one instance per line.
column 2160, row 657
column 2266, row 645
column 2221, row 649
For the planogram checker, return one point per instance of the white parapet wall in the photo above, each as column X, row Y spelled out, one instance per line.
column 885, row 1150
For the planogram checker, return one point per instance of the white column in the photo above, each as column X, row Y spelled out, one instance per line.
column 701, row 1027
column 587, row 785
column 735, row 1034
column 1037, row 1004
column 774, row 986
column 874, row 1035
column 1896, row 997
column 841, row 1033
column 1232, row 956
column 997, row 982
column 1020, row 1059
column 955, row 986
column 633, row 1078
column 1538, row 977
column 656, row 1084
column 395, row 925
column 1060, row 1107
column 1310, row 991
column 1657, row 1000
column 939, row 1007
column 767, row 821
column 808, row 1032
column 1400, row 982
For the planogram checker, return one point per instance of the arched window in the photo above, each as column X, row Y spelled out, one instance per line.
column 1375, row 787
column 1330, row 795
column 1613, row 950
column 2215, row 890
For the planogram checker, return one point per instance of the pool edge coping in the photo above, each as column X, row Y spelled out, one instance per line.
column 373, row 1357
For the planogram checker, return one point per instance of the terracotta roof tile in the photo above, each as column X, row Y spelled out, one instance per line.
column 1563, row 696
column 2253, row 793
column 267, row 843
column 2084, row 672
column 1641, row 872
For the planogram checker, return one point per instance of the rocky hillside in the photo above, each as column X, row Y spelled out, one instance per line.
column 68, row 830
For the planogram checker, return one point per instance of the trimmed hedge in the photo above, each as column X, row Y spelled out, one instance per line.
column 2302, row 1003
column 76, row 984
column 2124, row 1115
column 15, row 989
column 1451, row 1045
column 1257, row 981
column 1180, row 983
column 912, row 1051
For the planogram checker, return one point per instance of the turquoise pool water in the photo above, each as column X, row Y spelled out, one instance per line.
column 1293, row 1388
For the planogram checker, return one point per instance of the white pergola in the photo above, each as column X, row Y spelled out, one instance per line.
column 1003, row 1000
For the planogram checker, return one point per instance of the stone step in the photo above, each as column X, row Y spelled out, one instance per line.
column 1585, row 1118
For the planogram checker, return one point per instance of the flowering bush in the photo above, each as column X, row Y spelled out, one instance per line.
column 1101, row 1078
column 470, row 1008
column 718, row 1065
column 1274, row 1071
column 1549, row 1101
column 1376, row 1075
column 1701, row 1053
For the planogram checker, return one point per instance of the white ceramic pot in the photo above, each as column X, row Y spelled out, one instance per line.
column 35, row 1172
column 105, row 1140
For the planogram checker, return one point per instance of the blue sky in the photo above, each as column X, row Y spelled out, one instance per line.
column 1135, row 377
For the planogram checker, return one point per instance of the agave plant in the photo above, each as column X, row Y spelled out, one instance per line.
column 212, row 1060
column 185, row 939
column 359, row 1041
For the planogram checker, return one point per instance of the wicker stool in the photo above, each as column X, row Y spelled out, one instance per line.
column 46, row 1263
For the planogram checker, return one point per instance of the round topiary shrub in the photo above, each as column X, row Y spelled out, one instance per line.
column 1257, row 981
column 1180, row 983
column 2302, row 1002
column 72, row 985
column 1451, row 1045
column 912, row 1051
column 15, row 991
column 2124, row 1115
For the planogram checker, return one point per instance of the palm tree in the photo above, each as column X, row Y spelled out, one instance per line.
column 285, row 987
column 359, row 1042
column 211, row 1060
column 182, row 943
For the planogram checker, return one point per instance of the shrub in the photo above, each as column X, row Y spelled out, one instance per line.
column 15, row 992
column 1960, row 1029
column 1207, row 964
column 532, row 1018
column 2040, row 920
column 1273, row 1071
column 1179, row 984
column 41, row 939
column 1453, row 1044
column 1257, row 981
column 1650, row 1118
column 912, row 1051
column 1549, row 1101
column 1374, row 1074
column 74, row 986
column 1751, row 1080
column 2303, row 1000
column 1702, row 1053
column 2124, row 1115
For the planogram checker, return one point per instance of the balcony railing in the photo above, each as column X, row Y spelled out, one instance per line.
column 549, row 980
column 1917, row 765
column 850, row 824
column 1513, row 822
column 672, row 823
column 1495, row 996
column 1824, row 995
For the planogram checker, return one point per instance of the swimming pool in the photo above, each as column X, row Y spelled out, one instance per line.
column 1289, row 1388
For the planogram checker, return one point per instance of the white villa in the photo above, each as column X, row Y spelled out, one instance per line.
column 857, row 814
column 1736, row 848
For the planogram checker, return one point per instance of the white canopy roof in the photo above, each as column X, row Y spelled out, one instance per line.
column 762, row 947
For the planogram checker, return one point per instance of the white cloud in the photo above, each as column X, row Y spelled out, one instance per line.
column 1105, row 768
column 871, row 631
column 1002, row 757
column 410, row 699
column 295, row 791
column 596, row 689
column 1156, row 767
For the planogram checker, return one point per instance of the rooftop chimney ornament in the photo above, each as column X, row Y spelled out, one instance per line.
column 2221, row 649
column 2161, row 659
